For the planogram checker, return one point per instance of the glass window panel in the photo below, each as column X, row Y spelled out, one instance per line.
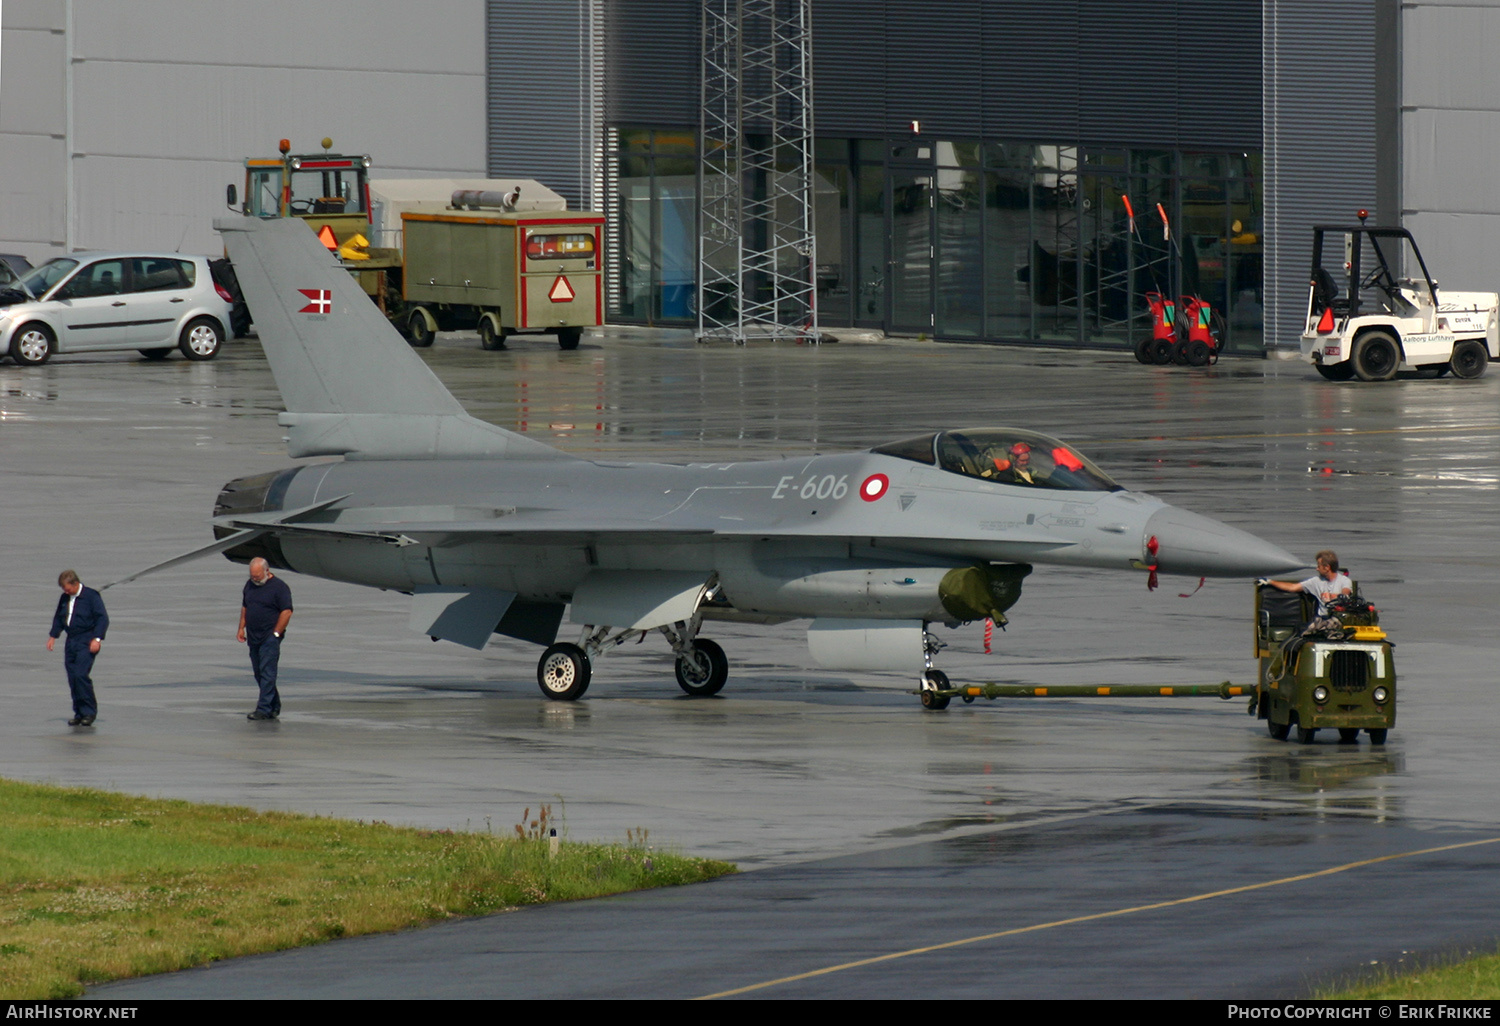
column 1007, row 254
column 1104, row 158
column 831, row 224
column 869, row 242
column 1052, row 267
column 1020, row 156
column 1205, row 165
column 676, row 249
column 911, row 151
column 675, row 141
column 911, row 251
column 959, row 254
column 1106, row 251
column 957, row 154
column 633, row 230
column 870, row 151
column 1153, row 162
column 635, row 140
column 1202, row 234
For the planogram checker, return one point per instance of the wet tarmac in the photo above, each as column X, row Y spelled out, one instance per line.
column 111, row 464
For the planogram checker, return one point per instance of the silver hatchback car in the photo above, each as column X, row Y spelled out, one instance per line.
column 93, row 302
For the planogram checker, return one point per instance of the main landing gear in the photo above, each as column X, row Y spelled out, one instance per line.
column 564, row 670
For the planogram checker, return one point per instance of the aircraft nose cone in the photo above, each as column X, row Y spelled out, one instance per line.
column 1190, row 544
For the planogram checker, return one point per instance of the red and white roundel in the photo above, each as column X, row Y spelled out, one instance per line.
column 874, row 487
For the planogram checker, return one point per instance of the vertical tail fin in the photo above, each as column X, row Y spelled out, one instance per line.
column 351, row 384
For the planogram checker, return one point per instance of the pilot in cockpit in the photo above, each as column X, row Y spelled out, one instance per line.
column 1012, row 465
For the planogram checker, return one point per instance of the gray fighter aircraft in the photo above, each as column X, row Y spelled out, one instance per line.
column 491, row 532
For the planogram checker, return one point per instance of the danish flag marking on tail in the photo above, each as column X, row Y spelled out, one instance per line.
column 320, row 301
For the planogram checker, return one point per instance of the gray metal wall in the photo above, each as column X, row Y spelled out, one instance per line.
column 1170, row 73
column 169, row 96
column 542, row 113
column 1321, row 66
column 1450, row 138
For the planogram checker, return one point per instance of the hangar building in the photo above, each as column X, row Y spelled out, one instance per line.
column 971, row 155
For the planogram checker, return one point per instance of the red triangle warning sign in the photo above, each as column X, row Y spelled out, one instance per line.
column 561, row 291
column 325, row 236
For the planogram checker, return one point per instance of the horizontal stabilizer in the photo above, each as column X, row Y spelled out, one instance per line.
column 340, row 366
column 223, row 544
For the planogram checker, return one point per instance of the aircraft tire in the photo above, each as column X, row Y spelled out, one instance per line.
column 703, row 674
column 1470, row 358
column 1348, row 735
column 934, row 681
column 1305, row 735
column 1279, row 731
column 1377, row 735
column 563, row 672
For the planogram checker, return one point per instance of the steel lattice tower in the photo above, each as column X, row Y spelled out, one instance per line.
column 757, row 259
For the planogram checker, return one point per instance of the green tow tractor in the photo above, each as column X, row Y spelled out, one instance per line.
column 1337, row 672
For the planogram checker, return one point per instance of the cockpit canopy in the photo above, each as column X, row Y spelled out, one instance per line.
column 1005, row 456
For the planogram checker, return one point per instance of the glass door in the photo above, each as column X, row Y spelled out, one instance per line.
column 911, row 200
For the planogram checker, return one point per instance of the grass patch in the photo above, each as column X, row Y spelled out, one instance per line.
column 96, row 886
column 1474, row 979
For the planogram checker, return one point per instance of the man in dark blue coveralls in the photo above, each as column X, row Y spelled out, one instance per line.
column 80, row 612
column 264, row 614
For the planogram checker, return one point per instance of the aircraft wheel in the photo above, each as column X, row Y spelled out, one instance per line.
column 491, row 335
column 1348, row 735
column 1376, row 356
column 934, row 681
column 1305, row 735
column 704, row 671
column 1279, row 731
column 418, row 333
column 568, row 338
column 157, row 354
column 1470, row 358
column 1336, row 371
column 201, row 339
column 32, row 345
column 1377, row 735
column 1143, row 350
column 1197, row 353
column 563, row 672
column 1161, row 351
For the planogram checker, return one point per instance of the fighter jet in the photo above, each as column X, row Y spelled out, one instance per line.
column 491, row 532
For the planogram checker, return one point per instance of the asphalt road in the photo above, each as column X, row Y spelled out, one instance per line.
column 873, row 827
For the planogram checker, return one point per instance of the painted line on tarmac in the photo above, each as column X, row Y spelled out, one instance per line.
column 1097, row 916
